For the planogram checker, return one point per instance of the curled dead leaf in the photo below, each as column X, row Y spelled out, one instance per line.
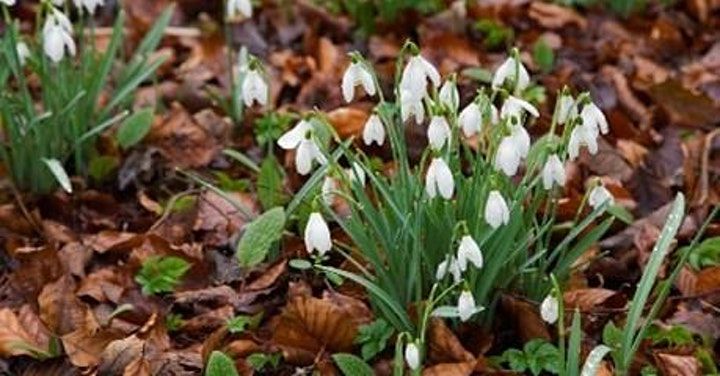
column 587, row 299
column 553, row 16
column 21, row 337
column 444, row 347
column 450, row 369
column 526, row 318
column 678, row 365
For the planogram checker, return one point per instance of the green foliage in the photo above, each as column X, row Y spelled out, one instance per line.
column 229, row 184
column 173, row 322
column 669, row 337
column 259, row 361
column 621, row 7
column 270, row 127
column 220, row 364
column 536, row 356
column 705, row 254
column 351, row 365
column 270, row 183
column 373, row 338
column 259, row 236
column 543, row 55
column 161, row 274
column 496, row 35
column 102, row 166
column 62, row 119
column 135, row 128
column 367, row 13
column 240, row 323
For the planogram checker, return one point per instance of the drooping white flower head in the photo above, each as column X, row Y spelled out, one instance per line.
column 329, row 186
column 23, row 52
column 450, row 265
column 89, row 5
column 471, row 119
column 515, row 71
column 594, row 118
column 306, row 153
column 553, row 172
column 57, row 36
column 598, row 196
column 514, row 107
column 566, row 109
column 582, row 135
column 239, row 7
column 522, row 140
column 496, row 210
column 254, row 88
column 466, row 305
column 469, row 251
column 507, row 158
column 549, row 309
column 417, row 73
column 411, row 104
column 8, row 2
column 439, row 179
column 412, row 356
column 449, row 95
column 374, row 131
column 438, row 132
column 291, row 139
column 317, row 235
column 357, row 74
column 356, row 173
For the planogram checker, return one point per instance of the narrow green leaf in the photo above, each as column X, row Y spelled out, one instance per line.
column 351, row 365
column 59, row 173
column 592, row 363
column 135, row 128
column 259, row 236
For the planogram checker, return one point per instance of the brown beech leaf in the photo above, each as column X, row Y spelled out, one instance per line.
column 269, row 277
column 683, row 107
column 450, row 369
column 119, row 354
column 587, row 299
column 104, row 285
column 526, row 318
column 708, row 280
column 108, row 240
column 60, row 309
column 686, row 281
column 444, row 347
column 219, row 219
column 138, row 367
column 85, row 345
column 17, row 337
column 553, row 16
column 348, row 121
column 697, row 321
column 309, row 325
column 678, row 365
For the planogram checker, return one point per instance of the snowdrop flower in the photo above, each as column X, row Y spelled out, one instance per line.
column 438, row 132
column 470, row 119
column 307, row 152
column 357, row 74
column 242, row 7
column 507, row 158
column 496, row 210
column 326, row 190
column 90, row 5
column 567, row 109
column 8, row 2
column 57, row 36
column 582, row 135
column 599, row 195
column 508, row 69
column 466, row 305
column 23, row 52
column 317, row 234
column 452, row 266
column 58, row 3
column 469, row 251
column 549, row 309
column 291, row 139
column 374, row 131
column 254, row 88
column 416, row 74
column 356, row 173
column 513, row 107
column 449, row 95
column 411, row 105
column 522, row 140
column 593, row 117
column 412, row 356
column 439, row 179
column 553, row 172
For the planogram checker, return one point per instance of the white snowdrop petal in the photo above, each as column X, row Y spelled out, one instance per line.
column 438, row 132
column 317, row 234
column 496, row 210
column 470, row 119
column 8, row 2
column 553, row 172
column 566, row 109
column 291, row 139
column 598, row 196
column 549, row 309
column 466, row 305
column 469, row 251
column 449, row 95
column 507, row 158
column 522, row 140
column 412, row 356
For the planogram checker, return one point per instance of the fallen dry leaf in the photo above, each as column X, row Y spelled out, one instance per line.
column 678, row 365
column 17, row 337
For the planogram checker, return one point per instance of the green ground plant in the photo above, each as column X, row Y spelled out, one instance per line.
column 51, row 128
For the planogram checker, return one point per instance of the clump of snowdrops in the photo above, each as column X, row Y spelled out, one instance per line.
column 51, row 126
column 448, row 234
